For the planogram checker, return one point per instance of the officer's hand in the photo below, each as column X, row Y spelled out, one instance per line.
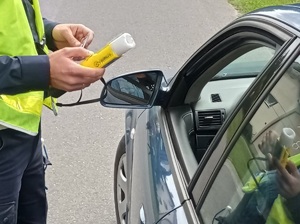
column 288, row 179
column 71, row 35
column 267, row 146
column 66, row 74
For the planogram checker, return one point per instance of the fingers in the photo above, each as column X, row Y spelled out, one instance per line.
column 273, row 136
column 268, row 142
column 282, row 172
column 76, row 52
column 81, row 77
column 288, row 179
column 83, row 34
column 283, row 187
column 74, row 81
column 78, row 87
column 66, row 74
column 263, row 146
column 270, row 162
column 71, row 35
column 292, row 168
column 87, row 39
column 282, row 179
column 70, row 38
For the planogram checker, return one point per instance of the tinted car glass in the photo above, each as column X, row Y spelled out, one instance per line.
column 228, row 90
column 249, row 64
column 256, row 184
column 245, row 61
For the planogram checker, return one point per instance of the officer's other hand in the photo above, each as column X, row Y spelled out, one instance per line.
column 288, row 179
column 66, row 74
column 71, row 35
column 267, row 146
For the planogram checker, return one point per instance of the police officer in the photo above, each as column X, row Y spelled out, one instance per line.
column 27, row 72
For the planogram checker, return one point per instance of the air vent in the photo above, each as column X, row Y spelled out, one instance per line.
column 210, row 119
column 215, row 98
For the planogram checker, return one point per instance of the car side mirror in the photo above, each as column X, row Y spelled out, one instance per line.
column 134, row 90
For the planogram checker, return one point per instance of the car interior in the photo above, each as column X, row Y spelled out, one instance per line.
column 212, row 98
column 245, row 164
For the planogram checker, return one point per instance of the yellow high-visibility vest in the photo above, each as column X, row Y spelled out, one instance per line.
column 279, row 213
column 21, row 111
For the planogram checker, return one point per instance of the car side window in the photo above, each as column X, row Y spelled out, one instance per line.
column 259, row 181
column 248, row 64
column 245, row 61
column 234, row 74
column 213, row 96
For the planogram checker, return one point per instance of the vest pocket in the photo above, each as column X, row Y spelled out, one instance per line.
column 8, row 213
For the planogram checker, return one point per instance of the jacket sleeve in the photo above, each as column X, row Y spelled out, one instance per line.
column 49, row 25
column 24, row 73
column 293, row 205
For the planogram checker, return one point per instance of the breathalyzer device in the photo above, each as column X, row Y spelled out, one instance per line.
column 283, row 145
column 110, row 52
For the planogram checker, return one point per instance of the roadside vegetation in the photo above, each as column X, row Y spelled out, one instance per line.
column 244, row 6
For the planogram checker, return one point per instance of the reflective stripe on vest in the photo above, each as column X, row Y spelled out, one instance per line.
column 279, row 213
column 21, row 111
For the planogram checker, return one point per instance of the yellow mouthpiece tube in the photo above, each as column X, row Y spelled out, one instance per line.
column 110, row 52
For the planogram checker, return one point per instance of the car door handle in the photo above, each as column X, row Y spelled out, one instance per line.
column 142, row 215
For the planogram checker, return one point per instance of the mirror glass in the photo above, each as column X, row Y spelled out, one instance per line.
column 132, row 89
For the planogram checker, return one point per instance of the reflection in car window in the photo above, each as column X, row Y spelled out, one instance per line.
column 253, row 186
column 249, row 64
column 245, row 61
column 124, row 86
column 237, row 70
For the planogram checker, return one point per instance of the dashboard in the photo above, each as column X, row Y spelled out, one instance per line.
column 217, row 100
column 196, row 124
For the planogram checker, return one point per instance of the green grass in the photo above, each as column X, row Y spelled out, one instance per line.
column 244, row 6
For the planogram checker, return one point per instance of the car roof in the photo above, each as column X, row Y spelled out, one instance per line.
column 288, row 14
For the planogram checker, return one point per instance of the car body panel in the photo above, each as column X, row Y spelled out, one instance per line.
column 216, row 155
column 152, row 184
column 217, row 46
column 179, row 215
column 288, row 14
column 159, row 189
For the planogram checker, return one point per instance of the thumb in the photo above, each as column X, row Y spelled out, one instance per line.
column 77, row 52
column 71, row 39
column 291, row 167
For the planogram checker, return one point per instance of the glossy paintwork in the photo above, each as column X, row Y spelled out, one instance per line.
column 152, row 183
column 227, row 135
column 150, row 180
column 288, row 14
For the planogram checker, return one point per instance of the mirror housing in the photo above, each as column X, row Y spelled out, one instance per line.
column 136, row 90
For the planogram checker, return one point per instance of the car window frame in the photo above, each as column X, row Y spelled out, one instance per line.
column 226, row 35
column 219, row 153
column 215, row 48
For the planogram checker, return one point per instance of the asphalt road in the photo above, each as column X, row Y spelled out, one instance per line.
column 82, row 140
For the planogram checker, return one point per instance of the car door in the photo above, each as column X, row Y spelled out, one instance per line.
column 169, row 156
column 235, row 183
column 152, row 192
column 244, row 41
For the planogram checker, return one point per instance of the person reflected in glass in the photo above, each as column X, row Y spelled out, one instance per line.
column 146, row 80
column 276, row 198
column 287, row 180
column 140, row 85
column 123, row 85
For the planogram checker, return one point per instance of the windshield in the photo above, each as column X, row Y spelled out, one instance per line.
column 247, row 65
